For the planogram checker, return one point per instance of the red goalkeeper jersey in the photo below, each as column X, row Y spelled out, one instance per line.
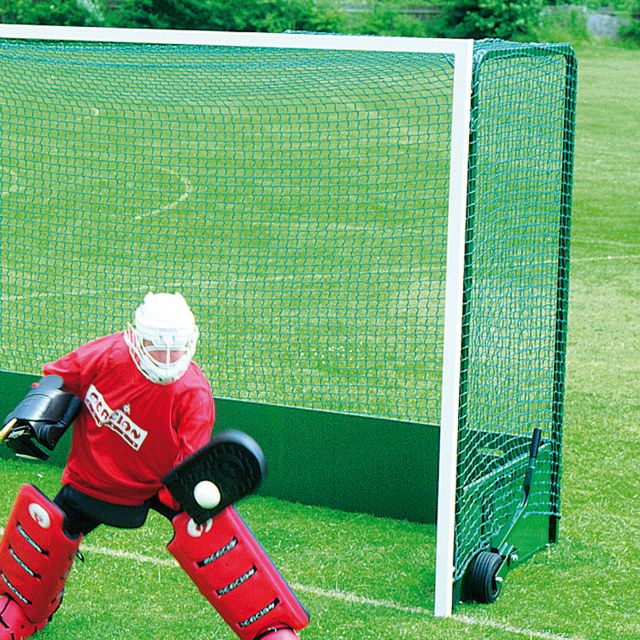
column 131, row 431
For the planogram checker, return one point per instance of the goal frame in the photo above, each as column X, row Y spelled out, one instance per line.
column 462, row 54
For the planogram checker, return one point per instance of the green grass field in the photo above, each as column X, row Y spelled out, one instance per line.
column 371, row 578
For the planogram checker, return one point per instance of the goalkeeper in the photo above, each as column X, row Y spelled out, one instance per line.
column 140, row 407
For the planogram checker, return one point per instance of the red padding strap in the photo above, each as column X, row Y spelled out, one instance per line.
column 235, row 574
column 35, row 554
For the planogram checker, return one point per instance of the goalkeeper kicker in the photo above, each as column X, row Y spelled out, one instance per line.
column 142, row 414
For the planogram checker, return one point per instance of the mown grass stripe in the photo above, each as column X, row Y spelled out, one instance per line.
column 344, row 596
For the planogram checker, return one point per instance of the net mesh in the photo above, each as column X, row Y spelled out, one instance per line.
column 298, row 200
column 515, row 287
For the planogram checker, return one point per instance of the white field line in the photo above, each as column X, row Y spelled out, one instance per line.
column 15, row 187
column 187, row 188
column 215, row 283
column 336, row 594
column 61, row 293
column 605, row 258
column 613, row 243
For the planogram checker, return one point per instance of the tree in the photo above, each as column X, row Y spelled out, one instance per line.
column 226, row 15
column 53, row 12
column 631, row 31
column 506, row 19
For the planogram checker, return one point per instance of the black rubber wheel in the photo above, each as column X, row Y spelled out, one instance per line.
column 482, row 581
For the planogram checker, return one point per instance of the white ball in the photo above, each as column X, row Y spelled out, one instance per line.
column 207, row 494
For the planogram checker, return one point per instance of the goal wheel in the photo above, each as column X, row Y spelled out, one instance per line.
column 483, row 581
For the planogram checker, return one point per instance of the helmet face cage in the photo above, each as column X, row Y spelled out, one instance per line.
column 163, row 341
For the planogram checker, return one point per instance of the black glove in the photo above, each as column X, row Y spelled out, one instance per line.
column 44, row 415
column 21, row 443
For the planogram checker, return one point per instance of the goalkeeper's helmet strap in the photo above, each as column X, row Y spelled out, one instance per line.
column 235, row 574
column 36, row 554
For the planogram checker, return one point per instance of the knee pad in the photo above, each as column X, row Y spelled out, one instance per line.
column 235, row 574
column 36, row 554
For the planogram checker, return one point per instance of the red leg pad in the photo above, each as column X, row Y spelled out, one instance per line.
column 14, row 624
column 35, row 554
column 235, row 574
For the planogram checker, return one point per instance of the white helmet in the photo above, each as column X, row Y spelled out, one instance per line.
column 163, row 340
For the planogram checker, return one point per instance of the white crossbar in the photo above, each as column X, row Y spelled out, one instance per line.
column 232, row 39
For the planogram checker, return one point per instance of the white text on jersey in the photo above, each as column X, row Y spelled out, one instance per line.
column 116, row 420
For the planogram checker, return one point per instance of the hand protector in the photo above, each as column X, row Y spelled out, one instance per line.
column 232, row 461
column 44, row 415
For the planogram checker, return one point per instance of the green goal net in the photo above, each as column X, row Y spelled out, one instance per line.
column 293, row 196
column 300, row 197
column 515, row 289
